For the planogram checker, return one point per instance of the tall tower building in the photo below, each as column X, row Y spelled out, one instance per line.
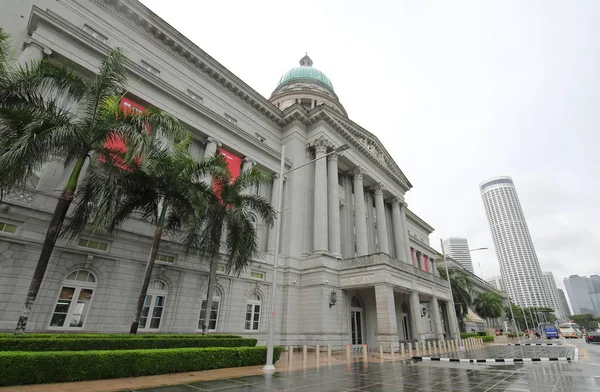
column 582, row 293
column 552, row 296
column 497, row 282
column 458, row 249
column 562, row 298
column 519, row 266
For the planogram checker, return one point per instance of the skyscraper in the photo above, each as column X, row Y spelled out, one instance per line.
column 497, row 282
column 552, row 296
column 563, row 302
column 458, row 249
column 519, row 265
column 582, row 294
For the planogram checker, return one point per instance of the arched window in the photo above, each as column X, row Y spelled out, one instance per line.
column 214, row 312
column 154, row 305
column 252, row 313
column 74, row 300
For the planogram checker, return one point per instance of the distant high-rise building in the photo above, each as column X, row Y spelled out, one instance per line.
column 552, row 296
column 562, row 298
column 458, row 249
column 582, row 294
column 497, row 282
column 519, row 266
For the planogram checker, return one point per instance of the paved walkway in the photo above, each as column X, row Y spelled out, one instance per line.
column 503, row 351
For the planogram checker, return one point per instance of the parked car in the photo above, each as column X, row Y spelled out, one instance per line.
column 592, row 337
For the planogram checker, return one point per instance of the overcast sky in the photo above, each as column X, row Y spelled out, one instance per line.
column 457, row 91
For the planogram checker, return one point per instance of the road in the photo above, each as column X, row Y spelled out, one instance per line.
column 588, row 353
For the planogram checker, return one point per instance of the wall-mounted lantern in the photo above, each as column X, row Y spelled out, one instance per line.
column 332, row 298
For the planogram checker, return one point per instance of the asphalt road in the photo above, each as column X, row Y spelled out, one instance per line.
column 588, row 353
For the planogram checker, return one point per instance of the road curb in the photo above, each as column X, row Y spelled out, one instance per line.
column 492, row 360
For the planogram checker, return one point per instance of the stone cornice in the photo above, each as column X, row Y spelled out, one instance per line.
column 140, row 18
column 414, row 218
column 64, row 27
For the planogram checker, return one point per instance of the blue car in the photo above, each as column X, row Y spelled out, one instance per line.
column 550, row 331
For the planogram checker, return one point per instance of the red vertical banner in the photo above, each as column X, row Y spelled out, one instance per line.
column 234, row 165
column 425, row 266
column 115, row 143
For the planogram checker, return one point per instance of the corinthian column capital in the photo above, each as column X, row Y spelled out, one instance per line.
column 378, row 189
column 358, row 173
column 321, row 144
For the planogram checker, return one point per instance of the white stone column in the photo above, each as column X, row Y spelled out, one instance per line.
column 387, row 328
column 333, row 208
column 405, row 227
column 382, row 234
column 209, row 152
column 274, row 198
column 451, row 312
column 437, row 321
column 415, row 315
column 362, row 246
column 398, row 231
column 321, row 231
column 31, row 53
column 247, row 164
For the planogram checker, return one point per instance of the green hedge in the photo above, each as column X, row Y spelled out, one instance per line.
column 53, row 344
column 19, row 368
column 113, row 336
column 464, row 335
column 487, row 339
column 481, row 334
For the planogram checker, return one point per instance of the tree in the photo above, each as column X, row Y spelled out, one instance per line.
column 4, row 50
column 461, row 287
column 488, row 305
column 164, row 187
column 587, row 321
column 35, row 126
column 235, row 210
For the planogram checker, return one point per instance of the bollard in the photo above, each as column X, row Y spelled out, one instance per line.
column 443, row 344
column 290, row 355
column 348, row 352
column 436, row 346
column 365, row 356
column 417, row 349
column 481, row 342
column 381, row 352
column 318, row 355
column 304, row 354
column 328, row 352
column 428, row 347
column 401, row 349
column 410, row 349
column 392, row 350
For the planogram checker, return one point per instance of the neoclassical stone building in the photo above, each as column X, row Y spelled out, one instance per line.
column 355, row 263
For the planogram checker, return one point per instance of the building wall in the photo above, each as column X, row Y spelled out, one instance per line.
column 553, row 298
column 579, row 289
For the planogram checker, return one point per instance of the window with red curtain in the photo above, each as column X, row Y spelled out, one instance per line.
column 116, row 143
column 425, row 266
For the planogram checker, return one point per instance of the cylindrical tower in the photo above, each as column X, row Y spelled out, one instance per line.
column 519, row 264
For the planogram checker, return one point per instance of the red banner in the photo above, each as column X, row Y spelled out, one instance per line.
column 115, row 143
column 425, row 266
column 234, row 165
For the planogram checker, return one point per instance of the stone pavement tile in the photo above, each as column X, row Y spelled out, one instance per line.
column 215, row 384
column 170, row 388
column 387, row 388
column 316, row 388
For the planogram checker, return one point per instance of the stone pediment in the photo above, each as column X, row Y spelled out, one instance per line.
column 359, row 138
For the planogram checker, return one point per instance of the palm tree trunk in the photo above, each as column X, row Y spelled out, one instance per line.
column 149, row 266
column 212, row 281
column 56, row 222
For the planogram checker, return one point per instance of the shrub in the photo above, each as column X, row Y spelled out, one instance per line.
column 113, row 336
column 104, row 343
column 481, row 334
column 466, row 335
column 487, row 339
column 43, row 367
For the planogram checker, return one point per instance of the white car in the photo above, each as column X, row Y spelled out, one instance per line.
column 570, row 330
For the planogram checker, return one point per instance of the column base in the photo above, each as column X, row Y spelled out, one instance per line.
column 320, row 252
column 336, row 255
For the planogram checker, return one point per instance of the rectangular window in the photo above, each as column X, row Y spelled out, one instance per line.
column 165, row 258
column 68, row 309
column 252, row 316
column 6, row 227
column 230, row 119
column 194, row 96
column 150, row 68
column 257, row 275
column 212, row 321
column 152, row 310
column 91, row 244
column 221, row 269
column 94, row 33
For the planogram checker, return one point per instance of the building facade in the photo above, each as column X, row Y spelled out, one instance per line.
column 552, row 296
column 519, row 266
column 355, row 263
column 458, row 249
column 562, row 298
column 497, row 282
column 583, row 295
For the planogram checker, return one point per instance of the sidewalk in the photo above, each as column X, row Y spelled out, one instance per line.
column 508, row 352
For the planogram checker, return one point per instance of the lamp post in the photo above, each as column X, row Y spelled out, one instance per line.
column 458, row 338
column 269, row 365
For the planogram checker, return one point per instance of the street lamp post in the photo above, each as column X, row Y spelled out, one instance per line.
column 269, row 365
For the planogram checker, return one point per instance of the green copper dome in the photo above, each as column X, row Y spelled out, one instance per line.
column 305, row 73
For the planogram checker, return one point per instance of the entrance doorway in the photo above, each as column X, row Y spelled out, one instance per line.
column 405, row 322
column 356, row 322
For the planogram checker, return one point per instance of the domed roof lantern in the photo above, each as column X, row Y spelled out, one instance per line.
column 306, row 61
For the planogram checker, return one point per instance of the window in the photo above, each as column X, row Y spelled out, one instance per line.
column 221, row 269
column 214, row 313
column 91, row 244
column 94, row 33
column 150, row 68
column 154, row 305
column 165, row 258
column 6, row 227
column 257, row 275
column 73, row 300
column 252, row 313
column 194, row 96
column 230, row 119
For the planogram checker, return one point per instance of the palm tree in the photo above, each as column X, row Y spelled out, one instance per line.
column 232, row 209
column 461, row 288
column 34, row 126
column 164, row 187
column 488, row 305
column 4, row 50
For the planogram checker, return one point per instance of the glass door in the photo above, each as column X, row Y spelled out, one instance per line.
column 356, row 326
